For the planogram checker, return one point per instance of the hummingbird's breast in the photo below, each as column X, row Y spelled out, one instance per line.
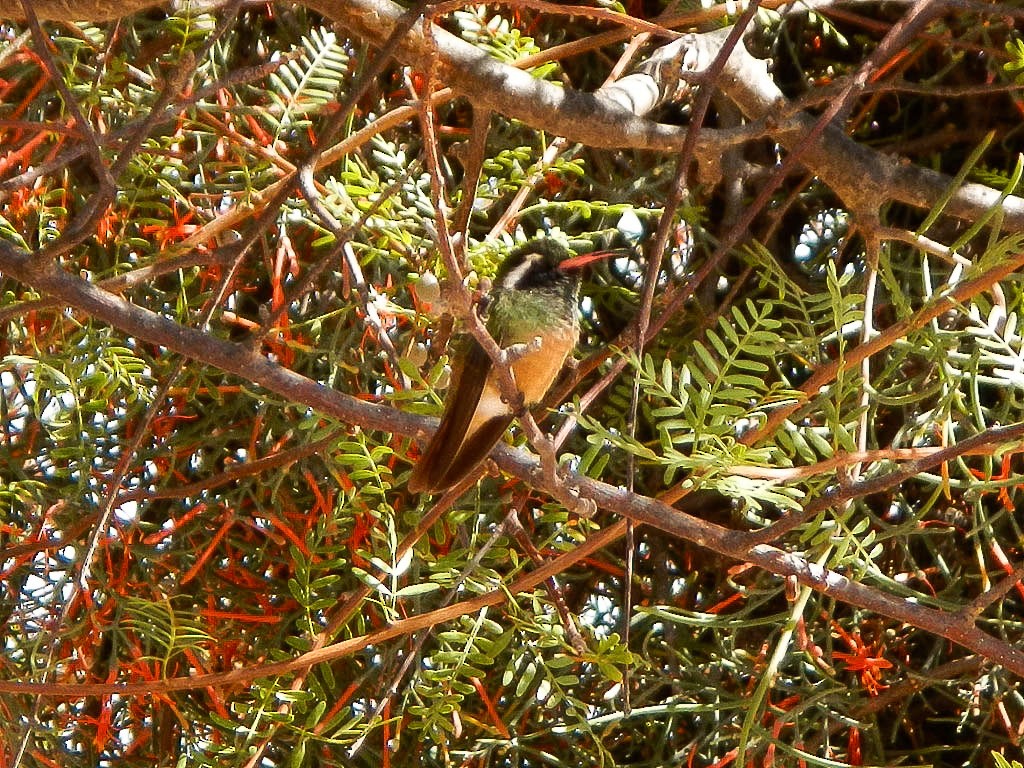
column 524, row 318
column 535, row 372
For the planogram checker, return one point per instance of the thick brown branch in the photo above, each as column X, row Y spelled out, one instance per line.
column 152, row 328
column 233, row 358
column 861, row 176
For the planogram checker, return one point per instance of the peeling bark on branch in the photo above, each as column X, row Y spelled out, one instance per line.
column 861, row 176
column 865, row 180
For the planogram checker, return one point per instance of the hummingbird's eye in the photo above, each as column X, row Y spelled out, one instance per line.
column 519, row 274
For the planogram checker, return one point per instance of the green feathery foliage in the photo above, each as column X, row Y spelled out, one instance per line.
column 244, row 580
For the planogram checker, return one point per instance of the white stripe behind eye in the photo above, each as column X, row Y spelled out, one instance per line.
column 516, row 275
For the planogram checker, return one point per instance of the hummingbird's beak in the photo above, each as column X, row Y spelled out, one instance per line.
column 578, row 262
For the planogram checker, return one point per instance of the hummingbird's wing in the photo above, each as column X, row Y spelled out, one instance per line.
column 469, row 427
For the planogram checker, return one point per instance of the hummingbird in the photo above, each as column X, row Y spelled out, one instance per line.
column 533, row 301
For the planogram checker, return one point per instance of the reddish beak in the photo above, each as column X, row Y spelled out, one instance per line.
column 578, row 262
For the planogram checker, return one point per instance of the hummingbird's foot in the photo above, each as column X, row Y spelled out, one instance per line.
column 572, row 501
column 561, row 487
column 565, row 491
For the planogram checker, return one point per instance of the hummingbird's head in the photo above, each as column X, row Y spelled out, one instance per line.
column 542, row 263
